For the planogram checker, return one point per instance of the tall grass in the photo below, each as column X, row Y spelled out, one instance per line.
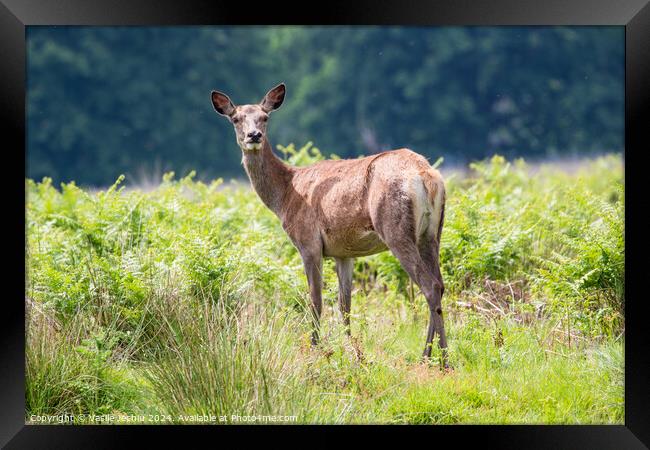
column 189, row 299
column 75, row 369
column 217, row 360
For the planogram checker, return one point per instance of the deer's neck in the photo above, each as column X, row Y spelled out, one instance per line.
column 269, row 176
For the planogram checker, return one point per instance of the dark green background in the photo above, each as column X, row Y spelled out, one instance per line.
column 103, row 101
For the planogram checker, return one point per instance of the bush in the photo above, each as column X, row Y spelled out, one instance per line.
column 189, row 298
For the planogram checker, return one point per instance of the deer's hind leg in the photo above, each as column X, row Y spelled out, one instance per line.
column 428, row 248
column 399, row 230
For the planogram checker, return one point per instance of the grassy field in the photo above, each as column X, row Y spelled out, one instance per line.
column 188, row 301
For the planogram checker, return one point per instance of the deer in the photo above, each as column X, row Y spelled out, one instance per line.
column 347, row 208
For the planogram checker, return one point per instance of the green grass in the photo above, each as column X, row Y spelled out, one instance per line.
column 190, row 300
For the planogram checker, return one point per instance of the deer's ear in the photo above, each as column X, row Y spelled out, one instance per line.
column 274, row 98
column 222, row 104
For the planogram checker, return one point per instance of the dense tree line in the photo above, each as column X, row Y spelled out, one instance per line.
column 109, row 100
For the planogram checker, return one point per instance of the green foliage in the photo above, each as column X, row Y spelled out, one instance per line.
column 586, row 274
column 304, row 156
column 190, row 299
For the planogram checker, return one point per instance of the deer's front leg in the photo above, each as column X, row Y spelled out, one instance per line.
column 313, row 262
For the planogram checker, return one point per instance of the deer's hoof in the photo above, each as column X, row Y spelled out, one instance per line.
column 446, row 367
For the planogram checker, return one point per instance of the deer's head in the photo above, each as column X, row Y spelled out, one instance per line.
column 249, row 121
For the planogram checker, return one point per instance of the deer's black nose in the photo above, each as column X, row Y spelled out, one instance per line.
column 255, row 136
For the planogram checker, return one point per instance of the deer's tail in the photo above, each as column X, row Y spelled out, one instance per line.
column 435, row 187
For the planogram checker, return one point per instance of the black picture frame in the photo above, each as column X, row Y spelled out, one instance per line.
column 634, row 15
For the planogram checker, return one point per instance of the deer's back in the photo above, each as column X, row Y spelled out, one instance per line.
column 346, row 200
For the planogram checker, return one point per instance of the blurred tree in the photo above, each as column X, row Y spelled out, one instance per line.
column 109, row 100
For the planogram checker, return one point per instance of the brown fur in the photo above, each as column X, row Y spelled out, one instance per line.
column 347, row 208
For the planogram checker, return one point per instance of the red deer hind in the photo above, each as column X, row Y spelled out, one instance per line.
column 347, row 208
